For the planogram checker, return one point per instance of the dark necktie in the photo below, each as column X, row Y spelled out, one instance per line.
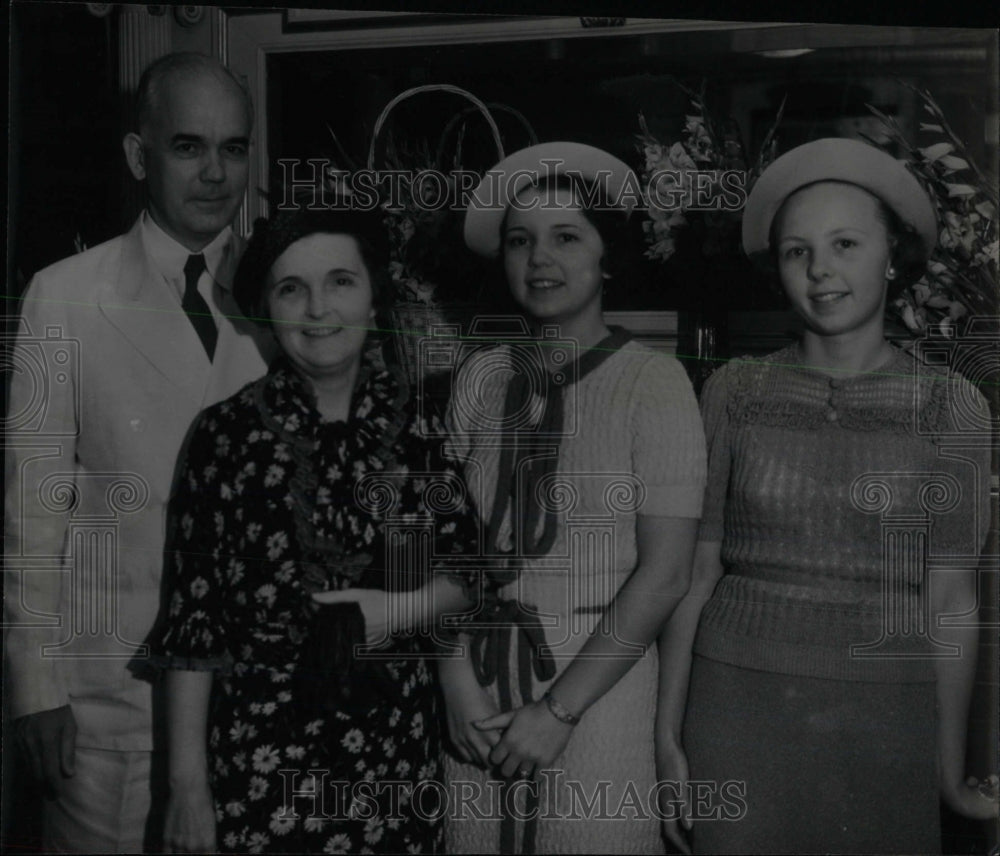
column 196, row 307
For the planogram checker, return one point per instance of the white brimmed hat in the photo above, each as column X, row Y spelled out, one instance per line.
column 501, row 184
column 835, row 159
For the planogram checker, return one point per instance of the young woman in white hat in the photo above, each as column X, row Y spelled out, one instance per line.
column 587, row 465
column 820, row 681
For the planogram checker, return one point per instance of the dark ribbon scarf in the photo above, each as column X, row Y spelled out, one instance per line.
column 528, row 456
column 330, row 534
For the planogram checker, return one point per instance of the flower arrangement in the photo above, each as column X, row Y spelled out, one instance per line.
column 420, row 237
column 961, row 278
column 422, row 215
column 709, row 146
column 415, row 231
column 417, row 191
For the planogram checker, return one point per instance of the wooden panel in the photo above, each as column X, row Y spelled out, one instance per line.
column 656, row 329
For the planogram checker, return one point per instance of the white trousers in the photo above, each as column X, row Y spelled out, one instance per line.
column 113, row 803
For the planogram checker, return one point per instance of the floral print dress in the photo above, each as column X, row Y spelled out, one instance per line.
column 275, row 504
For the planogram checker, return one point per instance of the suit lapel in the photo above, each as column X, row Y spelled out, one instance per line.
column 141, row 306
column 243, row 353
column 245, row 349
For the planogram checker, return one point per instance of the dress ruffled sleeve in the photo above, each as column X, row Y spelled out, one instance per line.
column 193, row 636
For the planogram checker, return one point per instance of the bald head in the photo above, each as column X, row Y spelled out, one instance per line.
column 175, row 68
column 192, row 148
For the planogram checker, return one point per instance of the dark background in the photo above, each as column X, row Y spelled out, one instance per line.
column 66, row 168
column 592, row 90
column 68, row 179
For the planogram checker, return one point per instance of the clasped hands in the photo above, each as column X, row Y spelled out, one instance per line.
column 522, row 741
column 518, row 742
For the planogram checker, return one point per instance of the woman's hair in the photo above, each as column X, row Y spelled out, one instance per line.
column 907, row 253
column 271, row 237
column 906, row 249
column 611, row 222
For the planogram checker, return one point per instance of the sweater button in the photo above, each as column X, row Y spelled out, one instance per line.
column 831, row 416
column 835, row 382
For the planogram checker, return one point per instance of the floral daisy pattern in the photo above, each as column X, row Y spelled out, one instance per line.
column 269, row 512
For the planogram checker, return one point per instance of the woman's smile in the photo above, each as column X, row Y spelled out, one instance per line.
column 828, row 297
column 833, row 254
column 320, row 301
column 828, row 301
column 552, row 256
column 543, row 284
column 321, row 331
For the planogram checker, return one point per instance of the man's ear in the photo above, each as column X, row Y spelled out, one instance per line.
column 134, row 155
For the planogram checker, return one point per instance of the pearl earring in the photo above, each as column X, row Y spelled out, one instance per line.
column 890, row 273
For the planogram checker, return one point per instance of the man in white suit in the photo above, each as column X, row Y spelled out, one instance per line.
column 118, row 350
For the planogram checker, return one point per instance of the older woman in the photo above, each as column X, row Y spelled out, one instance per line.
column 305, row 485
column 585, row 455
column 823, row 692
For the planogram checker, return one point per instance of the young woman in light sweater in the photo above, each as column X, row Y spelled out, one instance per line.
column 821, row 686
column 587, row 466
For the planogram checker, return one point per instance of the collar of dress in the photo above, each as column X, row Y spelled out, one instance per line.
column 336, row 532
column 520, row 455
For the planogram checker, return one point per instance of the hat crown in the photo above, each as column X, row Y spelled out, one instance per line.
column 837, row 159
column 530, row 166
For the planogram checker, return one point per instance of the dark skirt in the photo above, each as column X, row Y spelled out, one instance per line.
column 808, row 765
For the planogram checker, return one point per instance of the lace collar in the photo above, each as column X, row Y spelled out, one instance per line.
column 778, row 390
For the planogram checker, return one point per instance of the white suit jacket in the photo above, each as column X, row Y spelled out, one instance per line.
column 108, row 377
